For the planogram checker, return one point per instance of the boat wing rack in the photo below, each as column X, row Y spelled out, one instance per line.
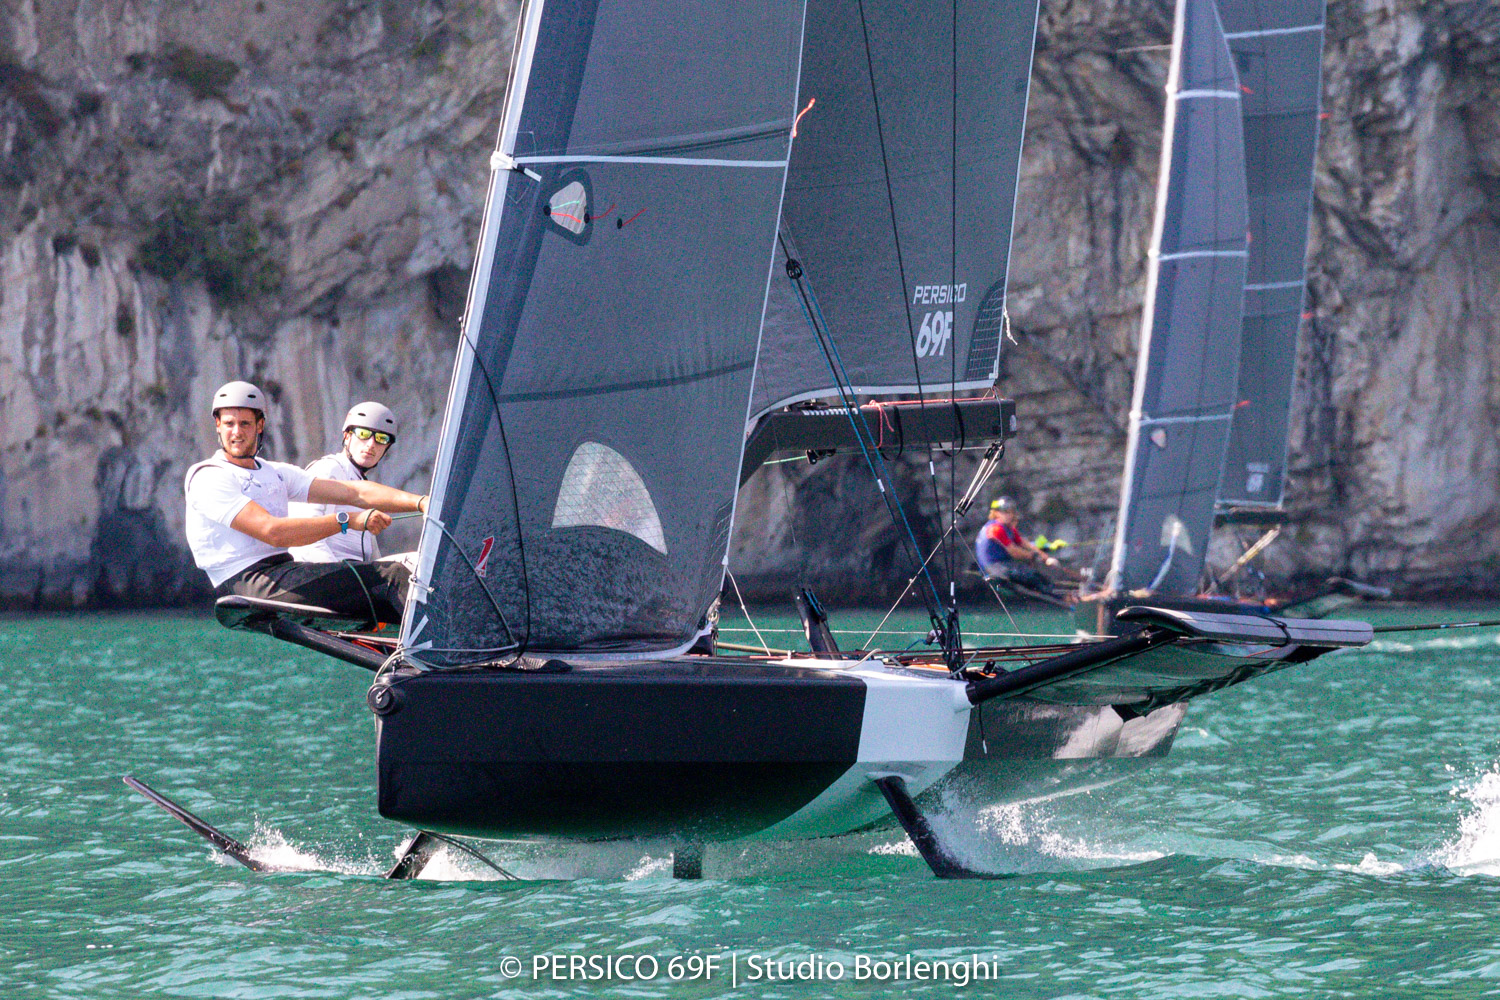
column 1252, row 629
column 955, row 423
column 302, row 625
column 1171, row 655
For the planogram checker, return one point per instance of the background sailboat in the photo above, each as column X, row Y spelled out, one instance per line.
column 1277, row 48
column 1190, row 329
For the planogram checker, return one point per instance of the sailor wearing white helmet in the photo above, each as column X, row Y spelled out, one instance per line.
column 369, row 431
column 239, row 529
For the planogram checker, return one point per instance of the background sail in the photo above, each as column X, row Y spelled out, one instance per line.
column 916, row 268
column 1185, row 379
column 590, row 453
column 1278, row 48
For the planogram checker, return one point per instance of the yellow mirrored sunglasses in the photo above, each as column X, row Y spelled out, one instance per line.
column 364, row 434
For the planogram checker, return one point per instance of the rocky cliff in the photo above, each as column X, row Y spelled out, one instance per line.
column 289, row 192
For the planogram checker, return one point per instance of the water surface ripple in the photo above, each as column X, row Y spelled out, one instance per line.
column 1329, row 831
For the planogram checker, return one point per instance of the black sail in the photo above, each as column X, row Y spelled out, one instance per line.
column 900, row 197
column 585, row 479
column 1278, row 47
column 1186, row 374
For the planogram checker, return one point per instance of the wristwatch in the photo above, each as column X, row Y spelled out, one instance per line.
column 343, row 518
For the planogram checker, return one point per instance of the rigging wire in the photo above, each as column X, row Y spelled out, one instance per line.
column 857, row 419
column 1434, row 626
column 987, row 466
column 900, row 631
column 746, row 611
column 953, row 283
column 947, row 629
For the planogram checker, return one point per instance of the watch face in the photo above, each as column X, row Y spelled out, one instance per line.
column 343, row 517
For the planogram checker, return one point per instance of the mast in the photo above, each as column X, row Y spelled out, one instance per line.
column 1278, row 48
column 1188, row 362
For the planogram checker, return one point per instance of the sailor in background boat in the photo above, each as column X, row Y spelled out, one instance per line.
column 370, row 429
column 239, row 529
column 1004, row 555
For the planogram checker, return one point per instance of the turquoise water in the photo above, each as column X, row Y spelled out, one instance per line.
column 1329, row 831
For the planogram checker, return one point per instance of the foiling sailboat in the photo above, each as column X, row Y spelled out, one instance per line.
column 1209, row 421
column 713, row 231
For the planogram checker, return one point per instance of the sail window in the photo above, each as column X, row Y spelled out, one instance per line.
column 569, row 207
column 1175, row 534
column 600, row 488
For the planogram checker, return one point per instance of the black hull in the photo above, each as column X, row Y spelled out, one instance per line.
column 706, row 750
column 711, row 750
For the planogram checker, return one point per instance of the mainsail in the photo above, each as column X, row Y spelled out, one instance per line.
column 589, row 459
column 899, row 197
column 1277, row 45
column 1186, row 374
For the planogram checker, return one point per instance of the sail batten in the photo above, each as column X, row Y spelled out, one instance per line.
column 1184, row 393
column 681, row 161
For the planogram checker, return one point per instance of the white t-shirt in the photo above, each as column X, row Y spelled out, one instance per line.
column 356, row 545
column 217, row 490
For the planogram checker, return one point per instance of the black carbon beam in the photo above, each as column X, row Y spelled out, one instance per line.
column 213, row 835
column 958, row 423
column 938, row 857
column 423, row 847
column 420, row 851
column 299, row 625
column 1079, row 661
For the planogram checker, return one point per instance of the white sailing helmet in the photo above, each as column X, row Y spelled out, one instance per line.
column 373, row 415
column 242, row 395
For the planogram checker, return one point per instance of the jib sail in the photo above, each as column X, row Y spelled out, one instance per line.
column 1185, row 379
column 589, row 459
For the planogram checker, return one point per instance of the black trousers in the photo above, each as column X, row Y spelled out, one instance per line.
column 1024, row 576
column 351, row 589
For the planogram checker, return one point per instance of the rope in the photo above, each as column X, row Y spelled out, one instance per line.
column 454, row 842
column 746, row 611
column 370, row 601
column 809, row 303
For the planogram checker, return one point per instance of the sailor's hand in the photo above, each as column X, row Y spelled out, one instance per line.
column 1049, row 560
column 374, row 521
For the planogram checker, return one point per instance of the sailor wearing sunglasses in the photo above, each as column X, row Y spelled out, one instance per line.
column 370, row 429
column 239, row 526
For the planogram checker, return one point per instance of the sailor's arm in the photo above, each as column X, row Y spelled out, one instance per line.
column 284, row 532
column 363, row 493
column 1020, row 552
column 1026, row 552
